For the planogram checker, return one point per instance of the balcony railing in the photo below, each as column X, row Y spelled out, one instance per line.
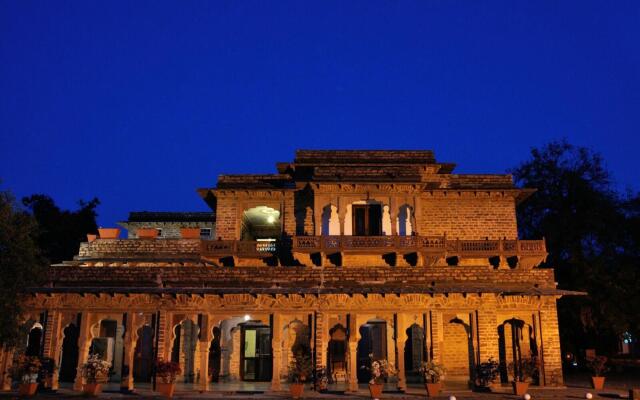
column 430, row 245
column 240, row 248
column 424, row 244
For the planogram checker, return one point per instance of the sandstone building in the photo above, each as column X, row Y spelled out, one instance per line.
column 340, row 253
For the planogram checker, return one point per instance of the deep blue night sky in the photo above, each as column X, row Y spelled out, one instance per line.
column 139, row 103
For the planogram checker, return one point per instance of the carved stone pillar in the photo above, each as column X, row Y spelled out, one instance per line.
column 342, row 213
column 354, row 336
column 277, row 352
column 205, row 343
column 84, row 342
column 393, row 215
column 130, row 339
column 401, row 340
column 53, row 345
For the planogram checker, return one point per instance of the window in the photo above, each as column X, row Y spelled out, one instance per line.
column 205, row 233
column 159, row 232
column 367, row 219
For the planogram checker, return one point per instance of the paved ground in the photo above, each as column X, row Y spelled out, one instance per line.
column 577, row 387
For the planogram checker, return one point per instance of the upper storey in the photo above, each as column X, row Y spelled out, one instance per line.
column 365, row 201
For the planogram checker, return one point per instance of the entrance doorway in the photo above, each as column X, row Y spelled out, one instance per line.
column 414, row 353
column 69, row 360
column 367, row 219
column 373, row 341
column 337, row 362
column 255, row 354
column 143, row 355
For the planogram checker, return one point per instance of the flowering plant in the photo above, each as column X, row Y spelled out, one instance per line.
column 300, row 369
column 432, row 372
column 380, row 370
column 26, row 368
column 524, row 369
column 487, row 372
column 95, row 370
column 167, row 370
column 598, row 365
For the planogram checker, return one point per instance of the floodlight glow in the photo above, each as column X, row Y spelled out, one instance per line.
column 247, row 317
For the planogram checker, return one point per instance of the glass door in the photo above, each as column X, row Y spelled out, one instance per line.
column 256, row 353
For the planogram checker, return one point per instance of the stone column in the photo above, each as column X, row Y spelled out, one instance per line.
column 551, row 353
column 437, row 336
column 84, row 343
column 354, row 336
column 342, row 213
column 130, row 338
column 401, row 339
column 277, row 352
column 393, row 215
column 52, row 345
column 205, row 343
column 487, row 321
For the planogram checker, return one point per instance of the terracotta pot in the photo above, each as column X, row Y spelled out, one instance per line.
column 91, row 238
column 375, row 390
column 166, row 389
column 109, row 233
column 190, row 233
column 520, row 388
column 296, row 390
column 433, row 388
column 27, row 389
column 91, row 389
column 147, row 233
column 597, row 382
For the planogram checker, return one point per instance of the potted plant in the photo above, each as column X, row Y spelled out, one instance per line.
column 47, row 370
column 109, row 233
column 486, row 374
column 432, row 374
column 25, row 369
column 166, row 372
column 190, row 233
column 380, row 370
column 299, row 372
column 522, row 371
column 95, row 372
column 147, row 233
column 598, row 366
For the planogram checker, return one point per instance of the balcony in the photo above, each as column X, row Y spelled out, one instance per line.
column 527, row 253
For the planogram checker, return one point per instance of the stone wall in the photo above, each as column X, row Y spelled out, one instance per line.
column 170, row 230
column 468, row 218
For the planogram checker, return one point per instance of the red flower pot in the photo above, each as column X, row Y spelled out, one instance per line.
column 147, row 233
column 91, row 389
column 597, row 382
column 109, row 233
column 520, row 388
column 296, row 390
column 166, row 389
column 375, row 390
column 27, row 389
column 433, row 389
column 190, row 233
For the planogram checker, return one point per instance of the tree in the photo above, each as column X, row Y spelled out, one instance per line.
column 61, row 231
column 21, row 265
column 592, row 235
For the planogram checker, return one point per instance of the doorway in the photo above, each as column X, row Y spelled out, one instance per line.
column 255, row 354
column 367, row 219
column 373, row 342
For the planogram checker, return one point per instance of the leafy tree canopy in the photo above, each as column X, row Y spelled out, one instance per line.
column 61, row 231
column 592, row 233
column 21, row 264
